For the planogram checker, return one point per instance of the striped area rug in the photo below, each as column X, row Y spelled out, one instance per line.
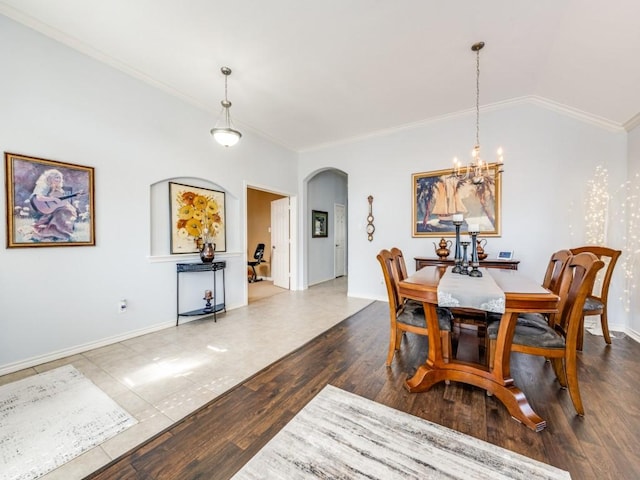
column 341, row 435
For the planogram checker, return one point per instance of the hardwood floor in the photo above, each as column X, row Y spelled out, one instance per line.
column 217, row 440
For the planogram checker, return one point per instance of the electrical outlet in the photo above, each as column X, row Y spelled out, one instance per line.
column 122, row 306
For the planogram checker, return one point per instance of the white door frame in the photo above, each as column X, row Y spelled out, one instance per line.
column 293, row 234
column 280, row 243
column 340, row 240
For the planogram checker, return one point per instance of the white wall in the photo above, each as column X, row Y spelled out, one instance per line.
column 324, row 190
column 634, row 178
column 549, row 160
column 61, row 105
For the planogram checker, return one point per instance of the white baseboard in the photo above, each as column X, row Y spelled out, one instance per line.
column 77, row 349
column 633, row 334
column 67, row 352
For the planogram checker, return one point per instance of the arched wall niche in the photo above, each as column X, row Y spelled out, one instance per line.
column 160, row 221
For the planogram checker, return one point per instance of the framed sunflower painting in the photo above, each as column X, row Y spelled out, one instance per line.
column 197, row 217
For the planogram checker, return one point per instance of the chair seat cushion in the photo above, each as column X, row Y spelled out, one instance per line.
column 414, row 315
column 592, row 305
column 532, row 333
column 532, row 320
column 526, row 319
column 410, row 303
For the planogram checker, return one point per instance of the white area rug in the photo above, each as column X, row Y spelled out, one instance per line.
column 341, row 435
column 50, row 418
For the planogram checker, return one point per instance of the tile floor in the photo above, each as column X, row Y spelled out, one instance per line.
column 161, row 377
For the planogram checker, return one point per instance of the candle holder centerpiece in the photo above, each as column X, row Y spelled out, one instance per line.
column 475, row 263
column 457, row 220
column 464, row 268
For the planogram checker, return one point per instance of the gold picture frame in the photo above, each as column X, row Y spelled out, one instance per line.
column 440, row 194
column 49, row 203
column 197, row 216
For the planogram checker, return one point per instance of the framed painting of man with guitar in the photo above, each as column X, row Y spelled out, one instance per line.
column 49, row 203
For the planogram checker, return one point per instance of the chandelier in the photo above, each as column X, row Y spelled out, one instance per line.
column 224, row 133
column 478, row 168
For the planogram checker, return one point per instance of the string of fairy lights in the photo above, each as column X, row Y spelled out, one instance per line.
column 631, row 253
column 597, row 208
column 620, row 206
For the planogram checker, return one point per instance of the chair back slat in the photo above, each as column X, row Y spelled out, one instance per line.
column 557, row 263
column 575, row 285
column 390, row 273
column 400, row 270
column 610, row 257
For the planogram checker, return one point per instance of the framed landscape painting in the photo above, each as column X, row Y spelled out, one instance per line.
column 197, row 216
column 49, row 203
column 440, row 194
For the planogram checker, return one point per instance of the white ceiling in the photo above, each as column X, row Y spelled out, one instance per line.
column 310, row 73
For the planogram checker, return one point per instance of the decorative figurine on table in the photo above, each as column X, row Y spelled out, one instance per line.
column 443, row 251
column 457, row 221
column 480, row 247
column 474, row 228
column 208, row 296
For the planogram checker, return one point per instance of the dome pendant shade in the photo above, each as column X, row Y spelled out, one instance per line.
column 224, row 133
column 227, row 137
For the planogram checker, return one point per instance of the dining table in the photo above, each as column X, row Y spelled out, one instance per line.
column 515, row 293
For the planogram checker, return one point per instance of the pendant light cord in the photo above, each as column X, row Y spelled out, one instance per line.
column 478, row 97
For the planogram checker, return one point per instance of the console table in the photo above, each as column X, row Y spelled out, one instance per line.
column 217, row 306
column 422, row 262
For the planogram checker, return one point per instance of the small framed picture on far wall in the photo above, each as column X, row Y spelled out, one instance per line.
column 505, row 255
column 319, row 224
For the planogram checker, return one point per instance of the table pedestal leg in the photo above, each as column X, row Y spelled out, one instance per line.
column 511, row 396
column 496, row 381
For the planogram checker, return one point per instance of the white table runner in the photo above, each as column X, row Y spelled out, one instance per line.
column 463, row 291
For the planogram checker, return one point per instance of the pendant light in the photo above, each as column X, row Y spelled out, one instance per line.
column 478, row 168
column 224, row 133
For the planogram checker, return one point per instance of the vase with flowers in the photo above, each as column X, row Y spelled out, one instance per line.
column 200, row 220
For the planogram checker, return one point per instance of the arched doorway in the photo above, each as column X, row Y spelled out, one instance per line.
column 327, row 256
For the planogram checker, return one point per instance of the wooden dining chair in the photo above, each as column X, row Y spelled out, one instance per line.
column 401, row 266
column 596, row 303
column 558, row 342
column 551, row 281
column 408, row 317
column 467, row 316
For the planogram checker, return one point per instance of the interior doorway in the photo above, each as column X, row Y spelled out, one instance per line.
column 340, row 227
column 263, row 228
column 327, row 256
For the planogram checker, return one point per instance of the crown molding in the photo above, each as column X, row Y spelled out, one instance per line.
column 79, row 46
column 632, row 123
column 547, row 104
column 576, row 113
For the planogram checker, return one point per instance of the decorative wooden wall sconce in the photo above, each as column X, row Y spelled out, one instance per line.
column 370, row 227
